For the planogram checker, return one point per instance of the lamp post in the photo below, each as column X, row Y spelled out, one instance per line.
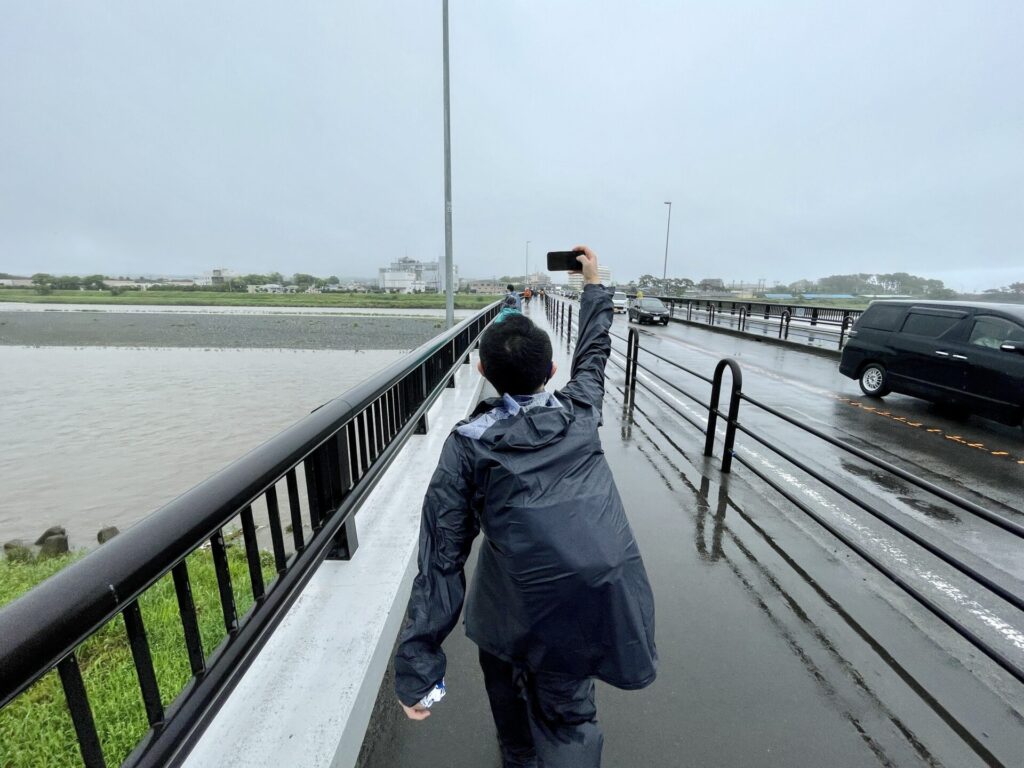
column 526, row 275
column 449, row 269
column 668, row 227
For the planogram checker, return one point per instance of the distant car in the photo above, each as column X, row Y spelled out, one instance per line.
column 648, row 311
column 964, row 354
column 620, row 302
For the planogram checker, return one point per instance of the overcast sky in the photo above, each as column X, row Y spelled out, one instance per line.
column 795, row 139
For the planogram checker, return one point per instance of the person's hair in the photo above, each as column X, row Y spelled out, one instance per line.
column 510, row 287
column 516, row 356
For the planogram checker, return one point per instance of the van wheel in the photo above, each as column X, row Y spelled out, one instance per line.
column 873, row 381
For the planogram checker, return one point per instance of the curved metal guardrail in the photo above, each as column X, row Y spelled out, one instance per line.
column 341, row 449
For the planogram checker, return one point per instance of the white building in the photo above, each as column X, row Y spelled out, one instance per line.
column 215, row 277
column 576, row 281
column 409, row 275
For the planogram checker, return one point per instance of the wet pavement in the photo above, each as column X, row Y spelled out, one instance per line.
column 778, row 646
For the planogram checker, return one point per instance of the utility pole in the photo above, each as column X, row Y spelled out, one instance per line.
column 526, row 275
column 668, row 227
column 449, row 267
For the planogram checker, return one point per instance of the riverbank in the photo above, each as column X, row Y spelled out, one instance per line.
column 214, row 330
column 218, row 299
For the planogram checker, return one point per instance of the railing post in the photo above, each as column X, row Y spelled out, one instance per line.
column 568, row 329
column 784, row 323
column 421, row 425
column 743, row 319
column 734, row 412
column 345, row 541
column 734, row 404
column 847, row 322
column 814, row 316
column 632, row 353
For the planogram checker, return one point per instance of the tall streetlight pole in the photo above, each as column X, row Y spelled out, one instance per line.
column 526, row 275
column 449, row 267
column 668, row 227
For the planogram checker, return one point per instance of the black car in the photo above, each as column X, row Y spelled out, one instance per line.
column 648, row 311
column 965, row 354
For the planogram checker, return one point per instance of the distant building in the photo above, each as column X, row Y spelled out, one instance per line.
column 575, row 282
column 16, row 282
column 484, row 286
column 216, row 277
column 266, row 288
column 410, row 276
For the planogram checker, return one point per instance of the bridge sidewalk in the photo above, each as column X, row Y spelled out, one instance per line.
column 750, row 671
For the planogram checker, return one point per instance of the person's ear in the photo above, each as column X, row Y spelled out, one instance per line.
column 480, row 367
column 551, row 373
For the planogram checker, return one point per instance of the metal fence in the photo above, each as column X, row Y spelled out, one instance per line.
column 738, row 401
column 825, row 327
column 325, row 465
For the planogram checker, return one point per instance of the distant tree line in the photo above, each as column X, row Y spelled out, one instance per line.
column 44, row 283
column 860, row 284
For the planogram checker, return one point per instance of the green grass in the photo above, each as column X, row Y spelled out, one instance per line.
column 36, row 730
column 217, row 299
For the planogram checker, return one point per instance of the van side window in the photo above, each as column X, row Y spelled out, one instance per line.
column 931, row 326
column 993, row 331
column 881, row 317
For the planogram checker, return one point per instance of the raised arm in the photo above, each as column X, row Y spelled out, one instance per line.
column 593, row 344
column 447, row 530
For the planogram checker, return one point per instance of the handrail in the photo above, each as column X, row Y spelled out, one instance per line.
column 343, row 448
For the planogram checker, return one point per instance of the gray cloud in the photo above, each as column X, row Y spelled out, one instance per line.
column 795, row 140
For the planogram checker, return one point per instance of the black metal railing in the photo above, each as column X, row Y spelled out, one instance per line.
column 631, row 364
column 824, row 327
column 325, row 465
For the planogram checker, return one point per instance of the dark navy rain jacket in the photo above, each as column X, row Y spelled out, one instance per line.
column 560, row 585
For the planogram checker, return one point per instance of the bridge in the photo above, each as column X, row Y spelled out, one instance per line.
column 838, row 582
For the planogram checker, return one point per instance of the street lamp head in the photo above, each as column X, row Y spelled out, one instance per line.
column 668, row 202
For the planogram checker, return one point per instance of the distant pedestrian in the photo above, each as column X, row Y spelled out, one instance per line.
column 512, row 300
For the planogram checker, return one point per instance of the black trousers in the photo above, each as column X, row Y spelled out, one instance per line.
column 543, row 720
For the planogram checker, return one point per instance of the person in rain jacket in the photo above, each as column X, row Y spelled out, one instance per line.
column 560, row 595
column 512, row 299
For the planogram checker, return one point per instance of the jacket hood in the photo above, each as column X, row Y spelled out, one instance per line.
column 518, row 423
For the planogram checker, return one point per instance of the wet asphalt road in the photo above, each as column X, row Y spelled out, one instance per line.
column 778, row 646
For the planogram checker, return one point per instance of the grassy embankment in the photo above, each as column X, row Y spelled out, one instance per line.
column 218, row 299
column 36, row 730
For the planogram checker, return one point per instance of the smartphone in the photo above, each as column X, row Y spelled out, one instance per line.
column 563, row 261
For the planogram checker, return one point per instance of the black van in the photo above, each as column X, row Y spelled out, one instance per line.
column 966, row 354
